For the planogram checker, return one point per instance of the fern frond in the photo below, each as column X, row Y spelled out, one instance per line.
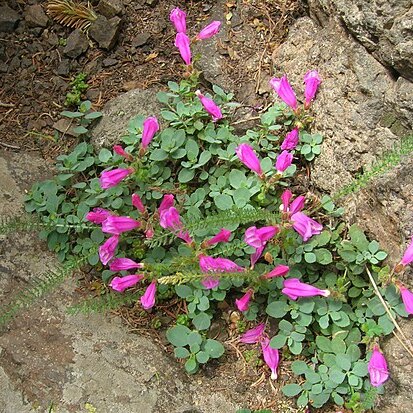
column 39, row 287
column 70, row 13
column 103, row 303
column 369, row 398
column 33, row 223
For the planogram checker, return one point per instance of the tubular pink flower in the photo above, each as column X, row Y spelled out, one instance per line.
column 284, row 91
column 293, row 207
column 178, row 18
column 184, row 235
column 407, row 297
column 291, row 140
column 297, row 205
column 116, row 225
column 248, row 157
column 286, row 197
column 210, row 106
column 149, row 233
column 108, row 179
column 377, row 368
column 312, row 80
column 244, row 302
column 121, row 264
column 408, row 255
column 148, row 298
column 122, row 283
column 208, row 31
column 294, row 288
column 182, row 43
column 120, row 151
column 271, row 357
column 167, row 202
column 210, row 264
column 279, row 271
column 222, row 236
column 107, row 250
column 254, row 335
column 170, row 219
column 98, row 215
column 305, row 226
column 150, row 127
column 284, row 160
column 138, row 204
column 258, row 239
column 210, row 282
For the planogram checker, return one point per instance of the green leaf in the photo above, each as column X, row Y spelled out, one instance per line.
column 194, row 338
column 358, row 238
column 80, row 130
column 353, row 380
column 223, row 202
column 202, row 357
column 323, row 343
column 168, row 115
column 183, row 291
column 214, row 348
column 299, row 367
column 336, row 375
column 191, row 365
column 312, row 376
column 105, row 155
column 291, row 390
column 324, row 321
column 324, row 256
column 353, row 352
column 277, row 309
column 302, row 400
column 278, row 341
column 338, row 345
column 343, row 361
column 178, row 335
column 306, row 305
column 192, row 149
column 360, row 368
column 236, row 178
column 285, row 325
column 296, row 347
column 181, row 353
column 93, row 115
column 186, row 175
column 204, row 158
column 158, row 155
column 310, row 257
column 201, row 321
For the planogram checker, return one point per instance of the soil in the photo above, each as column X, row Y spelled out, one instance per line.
column 32, row 95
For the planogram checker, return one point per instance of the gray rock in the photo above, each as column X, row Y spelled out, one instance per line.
column 77, row 43
column 110, row 8
column 141, row 39
column 35, row 16
column 118, row 112
column 66, row 127
column 362, row 112
column 105, row 32
column 64, row 67
column 109, row 62
column 383, row 27
column 8, row 19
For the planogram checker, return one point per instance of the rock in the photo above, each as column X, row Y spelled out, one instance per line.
column 384, row 28
column 152, row 3
column 77, row 43
column 141, row 39
column 66, row 126
column 118, row 112
column 64, row 67
column 2, row 52
column 105, row 32
column 8, row 19
column 109, row 62
column 360, row 110
column 35, row 16
column 110, row 8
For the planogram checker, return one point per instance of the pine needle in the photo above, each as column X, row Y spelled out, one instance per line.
column 71, row 14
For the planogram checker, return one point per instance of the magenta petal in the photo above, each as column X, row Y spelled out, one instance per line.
column 170, row 219
column 253, row 335
column 116, row 225
column 408, row 255
column 98, row 215
column 248, row 157
column 178, row 18
column 210, row 106
column 150, row 127
column 210, row 282
column 210, row 264
column 284, row 91
column 305, row 226
column 122, row 283
column 211, row 30
column 312, row 80
column 291, row 140
column 271, row 357
column 108, row 179
column 222, row 236
column 294, row 288
column 167, row 202
column 377, row 368
column 121, row 264
column 182, row 43
column 148, row 298
column 107, row 250
column 278, row 271
column 284, row 160
column 244, row 302
column 407, row 297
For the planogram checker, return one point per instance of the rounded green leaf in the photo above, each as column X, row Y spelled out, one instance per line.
column 278, row 341
column 223, row 202
column 181, row 352
column 299, row 367
column 310, row 257
column 343, row 361
column 194, row 338
column 178, row 335
column 191, row 365
column 336, row 375
column 201, row 321
column 214, row 348
column 202, row 357
column 277, row 309
column 183, row 291
column 291, row 390
column 185, row 175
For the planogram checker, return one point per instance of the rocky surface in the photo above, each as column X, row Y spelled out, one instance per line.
column 35, row 16
column 77, row 43
column 384, row 28
column 50, row 358
column 8, row 19
column 105, row 31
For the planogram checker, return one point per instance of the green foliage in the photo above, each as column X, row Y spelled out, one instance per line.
column 79, row 86
column 83, row 117
column 310, row 145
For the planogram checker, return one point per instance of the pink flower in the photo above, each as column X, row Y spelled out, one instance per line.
column 210, row 264
column 210, row 106
column 248, row 157
column 116, row 225
column 182, row 43
column 210, row 282
column 122, row 283
column 377, row 368
column 107, row 250
column 138, row 204
column 208, row 31
column 150, row 127
column 305, row 226
column 178, row 18
column 244, row 302
column 258, row 239
column 149, row 233
column 284, row 91
column 222, row 236
column 108, row 179
column 121, row 264
column 278, row 271
column 148, row 298
column 284, row 160
column 120, row 151
column 167, row 202
column 312, row 80
column 407, row 297
column 98, row 215
column 184, row 235
column 294, row 289
column 271, row 357
column 254, row 335
column 295, row 206
column 408, row 255
column 291, row 140
column 170, row 218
